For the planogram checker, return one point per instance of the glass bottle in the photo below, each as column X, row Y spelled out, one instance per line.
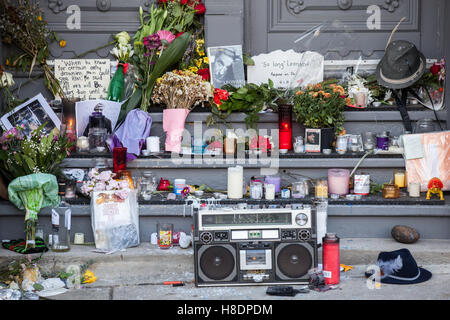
column 97, row 130
column 61, row 223
column 116, row 86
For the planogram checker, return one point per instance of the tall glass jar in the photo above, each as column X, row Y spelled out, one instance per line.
column 59, row 239
column 147, row 185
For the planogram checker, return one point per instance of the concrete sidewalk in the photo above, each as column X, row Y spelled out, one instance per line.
column 138, row 274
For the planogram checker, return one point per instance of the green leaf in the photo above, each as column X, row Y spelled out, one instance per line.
column 169, row 57
column 248, row 61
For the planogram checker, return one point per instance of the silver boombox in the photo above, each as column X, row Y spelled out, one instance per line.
column 254, row 246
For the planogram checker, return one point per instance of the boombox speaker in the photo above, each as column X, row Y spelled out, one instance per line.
column 216, row 263
column 293, row 260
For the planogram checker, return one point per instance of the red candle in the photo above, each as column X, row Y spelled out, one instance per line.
column 119, row 159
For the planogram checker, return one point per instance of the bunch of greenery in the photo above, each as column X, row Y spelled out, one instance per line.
column 250, row 99
column 321, row 106
column 40, row 153
column 22, row 25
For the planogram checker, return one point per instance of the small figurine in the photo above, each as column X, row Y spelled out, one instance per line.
column 435, row 186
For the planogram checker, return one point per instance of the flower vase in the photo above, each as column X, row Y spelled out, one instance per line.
column 32, row 201
column 173, row 125
column 115, row 90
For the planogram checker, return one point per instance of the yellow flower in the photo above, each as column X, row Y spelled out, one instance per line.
column 193, row 69
column 206, row 60
column 89, row 277
column 198, row 63
column 39, row 18
column 7, row 62
column 201, row 53
column 62, row 43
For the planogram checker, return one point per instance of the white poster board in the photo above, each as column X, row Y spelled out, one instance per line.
column 287, row 69
column 84, row 78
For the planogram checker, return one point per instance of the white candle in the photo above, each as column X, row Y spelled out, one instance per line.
column 153, row 144
column 235, row 182
column 79, row 238
column 270, row 191
column 414, row 189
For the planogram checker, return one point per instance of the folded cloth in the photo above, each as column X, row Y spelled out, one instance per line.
column 19, row 246
column 134, row 130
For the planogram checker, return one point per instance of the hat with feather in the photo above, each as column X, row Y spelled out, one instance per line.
column 399, row 267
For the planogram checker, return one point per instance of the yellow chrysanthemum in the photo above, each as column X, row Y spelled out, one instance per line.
column 89, row 277
column 62, row 43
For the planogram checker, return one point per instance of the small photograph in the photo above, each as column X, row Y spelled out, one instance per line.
column 32, row 114
column 312, row 140
column 226, row 66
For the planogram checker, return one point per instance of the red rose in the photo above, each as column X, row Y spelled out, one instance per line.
column 204, row 73
column 220, row 95
column 435, row 68
column 200, row 8
column 183, row 2
column 162, row 1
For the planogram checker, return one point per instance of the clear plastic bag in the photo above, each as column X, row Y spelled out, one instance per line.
column 115, row 221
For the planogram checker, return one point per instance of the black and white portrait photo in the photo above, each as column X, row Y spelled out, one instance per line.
column 226, row 66
column 32, row 114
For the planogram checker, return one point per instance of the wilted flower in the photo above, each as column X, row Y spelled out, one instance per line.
column 6, row 80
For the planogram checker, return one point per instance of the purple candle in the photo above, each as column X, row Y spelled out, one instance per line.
column 276, row 180
column 383, row 142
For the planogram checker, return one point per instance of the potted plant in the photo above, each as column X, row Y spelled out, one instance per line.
column 321, row 106
column 180, row 91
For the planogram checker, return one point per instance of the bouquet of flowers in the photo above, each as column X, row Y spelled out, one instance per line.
column 31, row 163
column 122, row 51
column 104, row 181
column 321, row 106
column 431, row 86
column 180, row 91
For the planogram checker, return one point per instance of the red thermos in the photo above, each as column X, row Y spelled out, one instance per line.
column 330, row 258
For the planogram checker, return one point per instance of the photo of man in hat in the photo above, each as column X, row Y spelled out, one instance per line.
column 226, row 65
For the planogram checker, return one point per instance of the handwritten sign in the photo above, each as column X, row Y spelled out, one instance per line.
column 84, row 78
column 287, row 69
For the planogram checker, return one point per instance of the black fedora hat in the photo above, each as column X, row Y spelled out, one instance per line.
column 399, row 267
column 401, row 66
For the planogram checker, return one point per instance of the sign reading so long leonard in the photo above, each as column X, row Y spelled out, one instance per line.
column 287, row 69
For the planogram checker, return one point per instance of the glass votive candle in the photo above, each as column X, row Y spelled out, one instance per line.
column 391, row 191
column 270, row 191
column 321, row 189
column 338, row 180
column 414, row 189
column 300, row 189
column 70, row 190
column 256, row 190
column 78, row 238
column 400, row 178
column 83, row 144
column 119, row 159
column 229, row 146
column 165, row 235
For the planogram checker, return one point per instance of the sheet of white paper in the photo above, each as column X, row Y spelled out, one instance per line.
column 83, row 109
column 413, row 146
column 84, row 78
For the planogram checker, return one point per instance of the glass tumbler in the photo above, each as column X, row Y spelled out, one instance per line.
column 165, row 235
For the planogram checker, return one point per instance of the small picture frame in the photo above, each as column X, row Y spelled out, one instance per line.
column 312, row 140
column 32, row 114
column 226, row 66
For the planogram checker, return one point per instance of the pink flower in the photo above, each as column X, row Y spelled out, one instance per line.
column 100, row 186
column 112, row 185
column 123, row 184
column 105, row 176
column 93, row 173
column 122, row 194
column 165, row 36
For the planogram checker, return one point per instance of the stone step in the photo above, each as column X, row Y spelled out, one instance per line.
column 149, row 265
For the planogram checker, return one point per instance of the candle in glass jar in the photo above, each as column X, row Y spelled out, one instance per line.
column 235, row 182
column 414, row 189
column 275, row 180
column 229, row 145
column 338, row 180
column 399, row 178
column 83, row 144
column 322, row 189
column 270, row 191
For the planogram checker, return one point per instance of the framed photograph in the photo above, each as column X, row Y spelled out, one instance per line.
column 312, row 140
column 226, row 66
column 31, row 115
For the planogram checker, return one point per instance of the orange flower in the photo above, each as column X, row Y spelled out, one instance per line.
column 39, row 18
column 299, row 92
column 317, row 86
column 62, row 43
column 332, row 85
column 315, row 95
column 348, row 101
column 327, row 95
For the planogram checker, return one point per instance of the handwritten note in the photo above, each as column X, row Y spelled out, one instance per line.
column 84, row 78
column 287, row 69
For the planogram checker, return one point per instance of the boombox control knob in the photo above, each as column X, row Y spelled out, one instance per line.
column 304, row 235
column 206, row 237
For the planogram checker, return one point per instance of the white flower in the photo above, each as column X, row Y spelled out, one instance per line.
column 6, row 80
column 123, row 37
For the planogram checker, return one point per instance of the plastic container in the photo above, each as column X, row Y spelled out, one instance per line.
column 338, row 181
